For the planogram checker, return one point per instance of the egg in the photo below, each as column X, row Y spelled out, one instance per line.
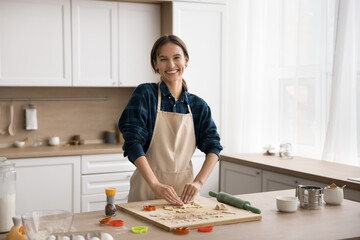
column 64, row 238
column 79, row 237
column 94, row 238
column 51, row 237
column 106, row 236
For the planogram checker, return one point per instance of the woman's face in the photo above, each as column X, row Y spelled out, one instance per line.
column 171, row 62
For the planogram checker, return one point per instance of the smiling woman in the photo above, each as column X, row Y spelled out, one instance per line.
column 162, row 125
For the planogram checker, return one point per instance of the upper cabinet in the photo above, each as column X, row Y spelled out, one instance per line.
column 202, row 27
column 35, row 43
column 112, row 42
column 95, row 43
column 88, row 44
column 139, row 28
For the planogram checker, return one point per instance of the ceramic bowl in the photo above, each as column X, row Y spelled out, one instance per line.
column 40, row 224
column 333, row 196
column 19, row 144
column 54, row 141
column 286, row 203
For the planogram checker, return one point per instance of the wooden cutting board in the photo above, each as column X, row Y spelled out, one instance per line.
column 191, row 216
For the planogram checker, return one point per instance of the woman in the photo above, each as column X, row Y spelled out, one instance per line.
column 162, row 125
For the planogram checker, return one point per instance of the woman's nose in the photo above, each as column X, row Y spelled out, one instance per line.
column 171, row 63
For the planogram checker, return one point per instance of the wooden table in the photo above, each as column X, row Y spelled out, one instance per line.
column 330, row 222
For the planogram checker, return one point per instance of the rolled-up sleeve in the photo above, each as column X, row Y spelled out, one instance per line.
column 132, row 125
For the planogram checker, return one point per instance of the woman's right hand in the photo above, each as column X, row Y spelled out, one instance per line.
column 168, row 193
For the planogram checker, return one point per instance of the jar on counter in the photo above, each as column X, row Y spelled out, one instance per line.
column 285, row 151
column 7, row 194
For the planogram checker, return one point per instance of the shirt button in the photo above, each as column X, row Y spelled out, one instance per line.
column 169, row 97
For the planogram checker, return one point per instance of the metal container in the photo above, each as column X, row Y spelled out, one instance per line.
column 311, row 197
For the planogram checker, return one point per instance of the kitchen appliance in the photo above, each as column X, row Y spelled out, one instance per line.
column 7, row 194
column 310, row 196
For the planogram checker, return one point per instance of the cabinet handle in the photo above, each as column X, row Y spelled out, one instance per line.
column 257, row 173
column 128, row 177
column 296, row 182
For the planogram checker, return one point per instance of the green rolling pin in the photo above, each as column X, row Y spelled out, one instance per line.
column 234, row 201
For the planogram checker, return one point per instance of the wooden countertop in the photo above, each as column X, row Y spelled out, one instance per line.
column 329, row 222
column 316, row 170
column 56, row 151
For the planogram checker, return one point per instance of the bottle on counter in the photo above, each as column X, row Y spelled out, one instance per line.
column 7, row 194
column 110, row 207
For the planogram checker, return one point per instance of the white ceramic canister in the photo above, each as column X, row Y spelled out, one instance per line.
column 333, row 194
column 7, row 194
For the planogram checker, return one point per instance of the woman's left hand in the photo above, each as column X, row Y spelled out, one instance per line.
column 190, row 191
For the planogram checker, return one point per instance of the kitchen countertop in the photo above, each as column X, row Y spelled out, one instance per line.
column 56, row 151
column 329, row 222
column 316, row 170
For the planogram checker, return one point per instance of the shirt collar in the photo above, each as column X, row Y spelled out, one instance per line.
column 166, row 92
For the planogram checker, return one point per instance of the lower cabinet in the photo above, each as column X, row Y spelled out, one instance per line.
column 238, row 179
column 275, row 181
column 212, row 183
column 47, row 183
column 100, row 171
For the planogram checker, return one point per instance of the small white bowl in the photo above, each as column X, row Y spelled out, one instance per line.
column 19, row 144
column 286, row 203
column 54, row 141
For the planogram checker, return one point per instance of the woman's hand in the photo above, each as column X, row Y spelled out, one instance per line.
column 168, row 193
column 190, row 191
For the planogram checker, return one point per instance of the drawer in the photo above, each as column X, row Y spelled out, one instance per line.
column 105, row 163
column 96, row 183
column 97, row 202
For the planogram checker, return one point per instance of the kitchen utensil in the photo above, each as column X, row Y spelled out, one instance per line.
column 310, row 196
column 2, row 132
column 12, row 128
column 333, row 194
column 234, row 201
column 17, row 231
column 41, row 224
column 286, row 203
column 7, row 194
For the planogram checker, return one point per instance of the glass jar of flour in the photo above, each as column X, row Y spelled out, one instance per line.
column 7, row 194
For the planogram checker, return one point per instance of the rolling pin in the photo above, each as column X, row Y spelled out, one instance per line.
column 234, row 201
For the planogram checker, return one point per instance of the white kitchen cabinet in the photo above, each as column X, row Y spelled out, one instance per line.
column 212, row 183
column 100, row 171
column 95, row 43
column 139, row 28
column 47, row 183
column 112, row 42
column 238, row 179
column 35, row 43
column 272, row 181
column 202, row 27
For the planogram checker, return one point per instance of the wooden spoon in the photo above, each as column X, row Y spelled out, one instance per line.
column 12, row 128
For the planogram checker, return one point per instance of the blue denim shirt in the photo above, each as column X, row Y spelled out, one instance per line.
column 138, row 119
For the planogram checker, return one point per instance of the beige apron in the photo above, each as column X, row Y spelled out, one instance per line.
column 169, row 154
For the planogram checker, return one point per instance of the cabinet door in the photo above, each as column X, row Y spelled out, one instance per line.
column 96, row 202
column 95, row 43
column 276, row 181
column 47, row 183
column 96, row 183
column 139, row 28
column 105, row 163
column 201, row 27
column 35, row 43
column 212, row 183
column 238, row 179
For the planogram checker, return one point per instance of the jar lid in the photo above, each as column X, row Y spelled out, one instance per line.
column 4, row 164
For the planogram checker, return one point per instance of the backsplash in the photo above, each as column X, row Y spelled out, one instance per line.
column 87, row 112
